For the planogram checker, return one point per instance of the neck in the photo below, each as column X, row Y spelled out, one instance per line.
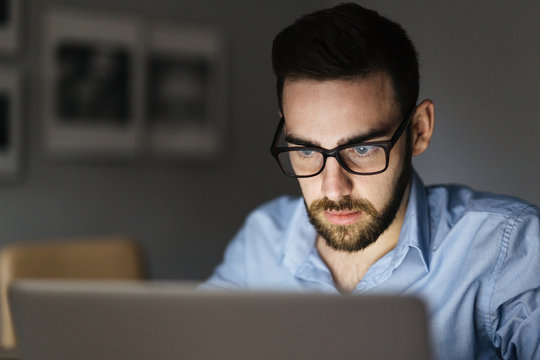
column 348, row 268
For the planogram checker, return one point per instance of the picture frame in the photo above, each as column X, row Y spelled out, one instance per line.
column 9, row 26
column 185, row 104
column 92, row 84
column 10, row 122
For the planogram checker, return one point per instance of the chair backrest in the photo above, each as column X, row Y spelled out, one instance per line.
column 111, row 257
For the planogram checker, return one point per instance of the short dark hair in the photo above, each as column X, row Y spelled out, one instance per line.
column 345, row 42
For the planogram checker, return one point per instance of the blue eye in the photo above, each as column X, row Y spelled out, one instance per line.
column 307, row 152
column 362, row 150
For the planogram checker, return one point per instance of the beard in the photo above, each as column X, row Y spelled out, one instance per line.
column 364, row 232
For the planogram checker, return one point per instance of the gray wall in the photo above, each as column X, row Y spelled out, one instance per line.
column 184, row 212
column 480, row 63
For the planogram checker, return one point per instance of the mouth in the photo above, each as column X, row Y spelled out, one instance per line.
column 343, row 217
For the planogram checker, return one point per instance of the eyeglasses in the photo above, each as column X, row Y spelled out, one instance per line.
column 365, row 158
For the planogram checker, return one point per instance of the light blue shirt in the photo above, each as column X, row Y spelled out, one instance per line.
column 473, row 257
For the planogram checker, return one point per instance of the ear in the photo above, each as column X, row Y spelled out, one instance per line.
column 422, row 126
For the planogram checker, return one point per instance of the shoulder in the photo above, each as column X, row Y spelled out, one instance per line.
column 266, row 226
column 253, row 255
column 479, row 217
column 275, row 214
column 456, row 201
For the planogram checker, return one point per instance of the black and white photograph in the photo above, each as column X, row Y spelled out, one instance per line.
column 9, row 26
column 91, row 67
column 177, row 91
column 92, row 84
column 184, row 91
column 10, row 127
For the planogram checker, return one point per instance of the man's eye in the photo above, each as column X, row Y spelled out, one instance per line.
column 362, row 150
column 307, row 152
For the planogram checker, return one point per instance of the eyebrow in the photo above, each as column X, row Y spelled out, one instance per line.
column 296, row 140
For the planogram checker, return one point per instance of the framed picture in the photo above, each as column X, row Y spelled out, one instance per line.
column 92, row 84
column 9, row 26
column 10, row 126
column 185, row 105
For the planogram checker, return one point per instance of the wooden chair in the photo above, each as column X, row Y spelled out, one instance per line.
column 113, row 257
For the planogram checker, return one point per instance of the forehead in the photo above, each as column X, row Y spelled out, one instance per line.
column 329, row 111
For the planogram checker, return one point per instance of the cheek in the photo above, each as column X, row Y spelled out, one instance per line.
column 371, row 188
column 388, row 180
column 379, row 189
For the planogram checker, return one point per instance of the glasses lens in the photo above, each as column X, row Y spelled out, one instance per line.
column 301, row 162
column 364, row 159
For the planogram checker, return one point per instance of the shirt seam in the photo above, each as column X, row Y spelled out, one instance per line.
column 512, row 221
column 521, row 207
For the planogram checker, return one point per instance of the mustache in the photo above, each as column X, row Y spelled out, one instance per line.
column 346, row 203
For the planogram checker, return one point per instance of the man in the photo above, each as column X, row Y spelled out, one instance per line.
column 347, row 83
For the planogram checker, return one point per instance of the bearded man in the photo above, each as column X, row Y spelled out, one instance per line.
column 350, row 121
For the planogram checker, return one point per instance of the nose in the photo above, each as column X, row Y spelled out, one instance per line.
column 336, row 181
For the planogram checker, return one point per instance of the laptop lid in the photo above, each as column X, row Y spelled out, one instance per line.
column 64, row 320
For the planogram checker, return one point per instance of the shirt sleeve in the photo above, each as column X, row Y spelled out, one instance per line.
column 514, row 324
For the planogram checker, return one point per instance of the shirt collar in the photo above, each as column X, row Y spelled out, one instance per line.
column 415, row 229
column 300, row 235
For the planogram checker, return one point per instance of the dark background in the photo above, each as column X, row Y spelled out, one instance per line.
column 479, row 65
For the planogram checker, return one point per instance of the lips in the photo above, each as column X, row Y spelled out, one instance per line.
column 344, row 217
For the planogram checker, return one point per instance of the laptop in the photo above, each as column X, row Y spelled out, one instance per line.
column 104, row 320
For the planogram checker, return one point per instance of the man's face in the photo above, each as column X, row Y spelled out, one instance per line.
column 349, row 211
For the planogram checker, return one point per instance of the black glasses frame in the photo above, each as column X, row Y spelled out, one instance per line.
column 386, row 145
